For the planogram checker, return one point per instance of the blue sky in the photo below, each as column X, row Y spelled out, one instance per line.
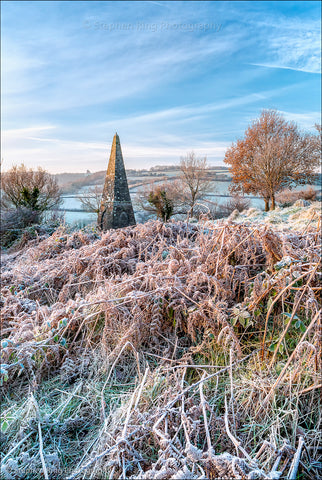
column 168, row 76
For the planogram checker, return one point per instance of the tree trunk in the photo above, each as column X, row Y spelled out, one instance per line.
column 273, row 205
column 266, row 204
column 192, row 205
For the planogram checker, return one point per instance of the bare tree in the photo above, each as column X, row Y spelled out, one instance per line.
column 31, row 190
column 273, row 155
column 91, row 200
column 318, row 139
column 194, row 178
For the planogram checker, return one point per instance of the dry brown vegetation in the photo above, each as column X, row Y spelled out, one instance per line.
column 163, row 351
column 288, row 197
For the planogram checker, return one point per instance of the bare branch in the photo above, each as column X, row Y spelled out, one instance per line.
column 194, row 178
column 91, row 200
column 34, row 190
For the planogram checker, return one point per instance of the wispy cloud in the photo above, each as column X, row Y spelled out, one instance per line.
column 33, row 147
column 72, row 74
column 314, row 68
column 305, row 120
column 117, row 64
column 291, row 44
column 186, row 113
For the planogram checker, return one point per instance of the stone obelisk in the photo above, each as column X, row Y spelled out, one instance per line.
column 116, row 209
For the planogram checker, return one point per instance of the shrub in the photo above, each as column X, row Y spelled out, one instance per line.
column 236, row 202
column 20, row 225
column 287, row 197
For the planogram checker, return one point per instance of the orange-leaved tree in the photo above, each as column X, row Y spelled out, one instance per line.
column 274, row 154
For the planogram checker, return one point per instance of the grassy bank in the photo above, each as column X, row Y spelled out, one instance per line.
column 163, row 351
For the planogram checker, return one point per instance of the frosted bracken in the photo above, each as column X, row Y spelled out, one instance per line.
column 165, row 350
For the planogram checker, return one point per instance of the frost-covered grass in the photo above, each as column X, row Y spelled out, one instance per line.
column 164, row 351
column 297, row 217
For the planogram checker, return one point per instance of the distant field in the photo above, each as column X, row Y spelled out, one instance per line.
column 76, row 184
column 73, row 182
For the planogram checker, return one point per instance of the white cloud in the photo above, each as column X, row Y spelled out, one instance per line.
column 55, row 71
column 188, row 113
column 25, row 132
column 33, row 148
column 148, row 138
column 62, row 74
column 304, row 120
column 290, row 44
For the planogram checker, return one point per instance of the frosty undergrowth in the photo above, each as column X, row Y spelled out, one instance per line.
column 163, row 351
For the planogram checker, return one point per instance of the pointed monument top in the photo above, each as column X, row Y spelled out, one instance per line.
column 116, row 207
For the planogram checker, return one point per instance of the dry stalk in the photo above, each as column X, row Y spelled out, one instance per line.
column 101, row 455
column 273, row 303
column 137, row 393
column 281, row 375
column 236, row 442
column 111, row 370
column 282, row 336
column 41, row 452
column 203, row 405
column 13, row 449
column 221, row 247
column 296, row 460
column 309, row 389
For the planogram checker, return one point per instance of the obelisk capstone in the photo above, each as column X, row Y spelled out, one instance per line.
column 116, row 209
